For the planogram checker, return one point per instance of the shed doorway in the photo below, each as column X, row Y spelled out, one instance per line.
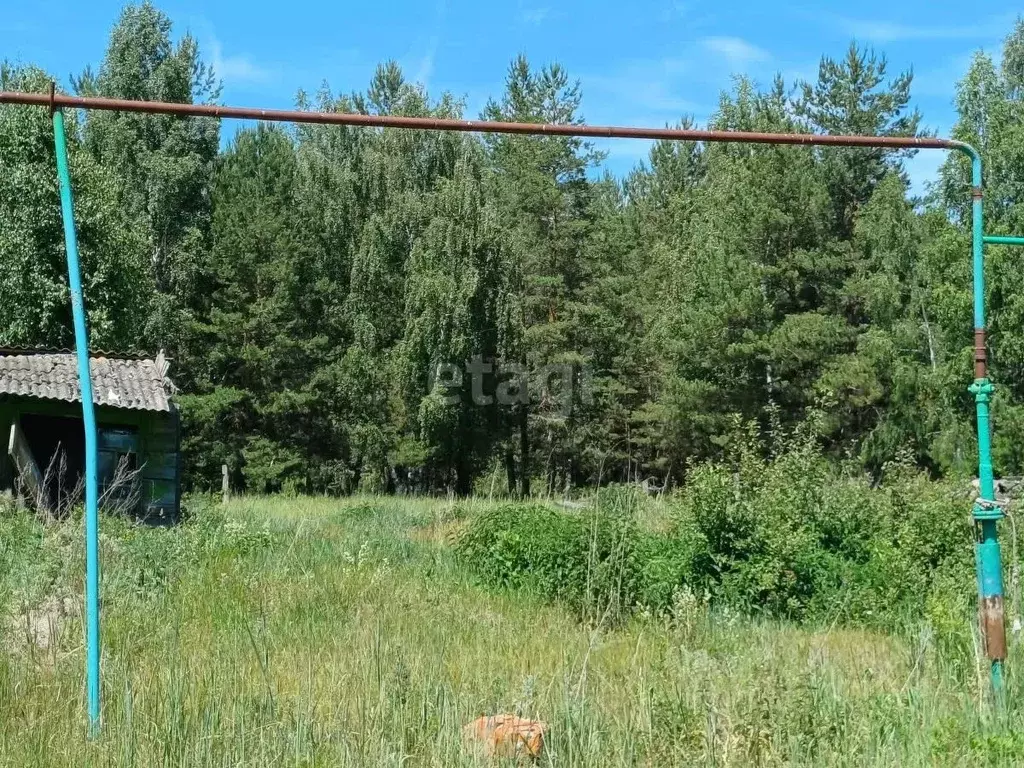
column 58, row 446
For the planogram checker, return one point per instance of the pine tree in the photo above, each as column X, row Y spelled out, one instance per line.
column 254, row 328
column 540, row 187
column 852, row 96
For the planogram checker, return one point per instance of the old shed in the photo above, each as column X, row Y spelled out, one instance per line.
column 42, row 454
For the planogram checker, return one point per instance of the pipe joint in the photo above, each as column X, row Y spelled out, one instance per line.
column 982, row 390
column 987, row 509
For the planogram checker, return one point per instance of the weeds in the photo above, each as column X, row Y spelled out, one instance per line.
column 308, row 632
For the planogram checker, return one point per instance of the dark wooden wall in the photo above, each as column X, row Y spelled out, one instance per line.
column 157, row 445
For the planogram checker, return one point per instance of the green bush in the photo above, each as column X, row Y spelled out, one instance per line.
column 599, row 561
column 783, row 532
column 581, row 559
column 797, row 536
column 659, row 565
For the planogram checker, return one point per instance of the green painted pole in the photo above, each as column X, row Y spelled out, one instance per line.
column 92, row 559
column 986, row 512
column 1003, row 240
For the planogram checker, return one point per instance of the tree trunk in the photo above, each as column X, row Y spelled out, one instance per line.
column 931, row 340
column 510, row 469
column 463, row 476
column 524, row 452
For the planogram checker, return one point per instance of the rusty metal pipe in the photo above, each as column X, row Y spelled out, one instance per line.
column 58, row 101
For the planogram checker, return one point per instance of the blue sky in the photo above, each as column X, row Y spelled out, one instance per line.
column 647, row 62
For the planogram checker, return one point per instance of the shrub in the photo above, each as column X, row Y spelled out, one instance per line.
column 580, row 559
column 786, row 533
column 599, row 561
column 796, row 536
column 660, row 565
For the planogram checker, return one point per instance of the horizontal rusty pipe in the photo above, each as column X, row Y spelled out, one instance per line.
column 57, row 101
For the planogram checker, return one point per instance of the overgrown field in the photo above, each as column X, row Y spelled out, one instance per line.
column 366, row 631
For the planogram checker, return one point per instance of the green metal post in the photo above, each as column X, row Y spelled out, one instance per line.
column 986, row 513
column 92, row 559
column 1003, row 240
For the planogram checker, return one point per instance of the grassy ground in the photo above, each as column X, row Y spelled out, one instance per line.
column 314, row 632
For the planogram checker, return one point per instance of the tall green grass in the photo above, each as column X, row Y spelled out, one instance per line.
column 316, row 632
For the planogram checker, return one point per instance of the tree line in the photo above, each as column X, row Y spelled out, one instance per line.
column 351, row 308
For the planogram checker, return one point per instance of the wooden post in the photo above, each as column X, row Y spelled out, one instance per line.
column 29, row 476
column 225, row 486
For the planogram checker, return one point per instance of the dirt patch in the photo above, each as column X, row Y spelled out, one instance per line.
column 40, row 628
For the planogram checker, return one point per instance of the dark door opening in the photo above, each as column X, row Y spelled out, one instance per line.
column 58, row 446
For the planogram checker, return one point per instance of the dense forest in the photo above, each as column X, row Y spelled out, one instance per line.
column 349, row 308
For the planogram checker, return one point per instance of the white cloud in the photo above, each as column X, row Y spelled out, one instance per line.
column 654, row 88
column 425, row 65
column 529, row 12
column 535, row 15
column 239, row 69
column 737, row 51
column 646, row 92
column 940, row 81
column 656, row 92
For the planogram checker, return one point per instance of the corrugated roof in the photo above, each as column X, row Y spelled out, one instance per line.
column 37, row 349
column 119, row 383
